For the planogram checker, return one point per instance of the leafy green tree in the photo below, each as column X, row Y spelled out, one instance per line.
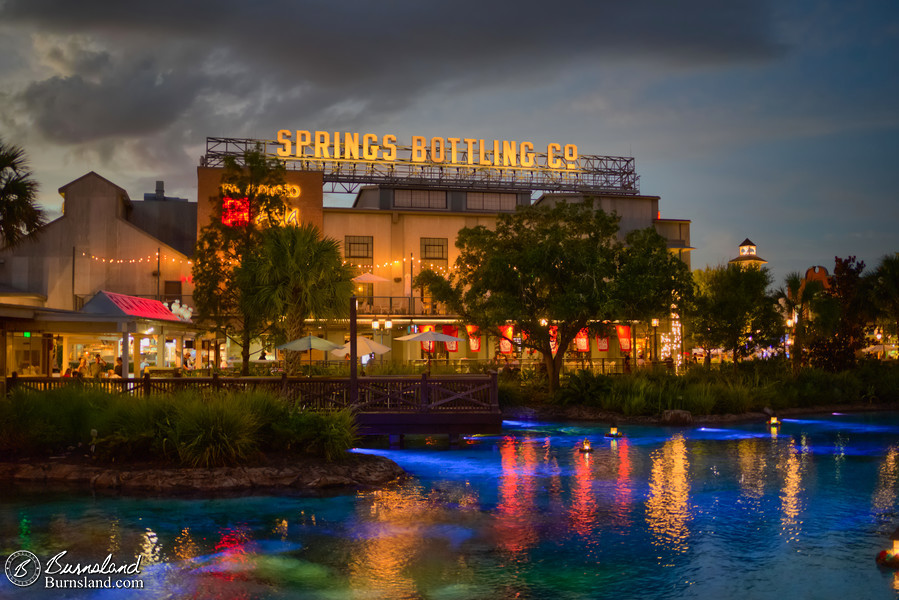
column 733, row 310
column 249, row 203
column 19, row 213
column 543, row 267
column 885, row 290
column 296, row 273
column 650, row 281
column 797, row 298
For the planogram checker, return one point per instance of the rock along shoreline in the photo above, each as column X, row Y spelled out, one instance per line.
column 293, row 475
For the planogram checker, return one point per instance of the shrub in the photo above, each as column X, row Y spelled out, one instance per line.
column 328, row 435
column 51, row 421
column 216, row 432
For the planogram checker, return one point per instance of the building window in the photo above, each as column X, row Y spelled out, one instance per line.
column 359, row 252
column 171, row 291
column 419, row 199
column 492, row 201
column 358, row 246
column 434, row 253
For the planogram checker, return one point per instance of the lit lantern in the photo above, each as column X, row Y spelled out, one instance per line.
column 586, row 446
column 613, row 432
column 773, row 422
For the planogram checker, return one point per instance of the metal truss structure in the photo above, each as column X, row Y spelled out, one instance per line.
column 594, row 175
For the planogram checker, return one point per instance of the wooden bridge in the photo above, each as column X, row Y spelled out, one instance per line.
column 451, row 404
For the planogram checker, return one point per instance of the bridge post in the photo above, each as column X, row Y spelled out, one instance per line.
column 425, row 393
column 494, row 389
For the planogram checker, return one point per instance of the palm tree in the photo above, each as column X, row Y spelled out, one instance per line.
column 19, row 214
column 885, row 289
column 297, row 274
column 796, row 298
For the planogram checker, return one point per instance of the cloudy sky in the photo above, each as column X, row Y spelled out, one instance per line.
column 777, row 121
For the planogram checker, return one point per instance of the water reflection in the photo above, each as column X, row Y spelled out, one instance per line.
column 789, row 495
column 515, row 526
column 752, row 460
column 623, row 487
column 583, row 500
column 523, row 514
column 668, row 505
column 884, row 500
column 185, row 548
column 404, row 530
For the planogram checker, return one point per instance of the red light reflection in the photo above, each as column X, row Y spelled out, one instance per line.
column 515, row 526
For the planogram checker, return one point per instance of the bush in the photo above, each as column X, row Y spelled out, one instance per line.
column 748, row 387
column 211, row 433
column 328, row 435
column 50, row 422
column 189, row 427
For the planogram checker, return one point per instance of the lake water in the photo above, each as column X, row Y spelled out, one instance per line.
column 730, row 512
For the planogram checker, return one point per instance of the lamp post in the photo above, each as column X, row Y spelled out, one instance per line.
column 388, row 327
column 375, row 327
column 655, row 339
column 787, row 337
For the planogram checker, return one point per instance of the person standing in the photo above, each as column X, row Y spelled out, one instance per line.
column 98, row 366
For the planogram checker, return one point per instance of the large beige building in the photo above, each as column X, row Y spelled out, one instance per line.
column 405, row 217
column 104, row 241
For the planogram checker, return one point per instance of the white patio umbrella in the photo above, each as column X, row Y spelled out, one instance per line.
column 429, row 336
column 364, row 345
column 308, row 343
column 369, row 278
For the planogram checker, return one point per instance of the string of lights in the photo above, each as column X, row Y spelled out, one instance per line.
column 151, row 259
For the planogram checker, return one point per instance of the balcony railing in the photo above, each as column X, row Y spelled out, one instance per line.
column 385, row 306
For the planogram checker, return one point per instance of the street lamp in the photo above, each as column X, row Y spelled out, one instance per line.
column 388, row 325
column 655, row 342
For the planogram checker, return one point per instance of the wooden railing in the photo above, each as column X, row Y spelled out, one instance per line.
column 457, row 394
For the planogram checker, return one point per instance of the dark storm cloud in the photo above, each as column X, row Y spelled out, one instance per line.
column 340, row 58
column 133, row 101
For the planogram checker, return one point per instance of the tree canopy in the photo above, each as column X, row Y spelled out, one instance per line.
column 19, row 214
column 650, row 281
column 295, row 274
column 550, row 271
column 248, row 203
column 885, row 290
column 801, row 301
column 850, row 298
column 732, row 309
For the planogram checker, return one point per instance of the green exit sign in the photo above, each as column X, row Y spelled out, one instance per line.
column 26, row 334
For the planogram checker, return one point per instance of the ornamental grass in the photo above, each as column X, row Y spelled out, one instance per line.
column 188, row 428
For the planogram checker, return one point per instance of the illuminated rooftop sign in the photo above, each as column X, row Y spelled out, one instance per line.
column 453, row 152
column 347, row 160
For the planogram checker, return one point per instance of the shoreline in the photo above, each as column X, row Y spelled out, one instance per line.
column 301, row 474
column 590, row 414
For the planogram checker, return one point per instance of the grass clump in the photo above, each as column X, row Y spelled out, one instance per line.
column 187, row 428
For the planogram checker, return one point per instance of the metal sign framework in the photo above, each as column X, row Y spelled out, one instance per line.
column 595, row 174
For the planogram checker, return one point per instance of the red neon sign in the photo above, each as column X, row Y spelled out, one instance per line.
column 235, row 212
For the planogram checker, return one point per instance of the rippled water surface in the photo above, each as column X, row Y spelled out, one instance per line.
column 730, row 512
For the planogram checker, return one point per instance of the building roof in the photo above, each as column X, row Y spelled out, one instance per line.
column 747, row 242
column 93, row 174
column 748, row 258
column 110, row 303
